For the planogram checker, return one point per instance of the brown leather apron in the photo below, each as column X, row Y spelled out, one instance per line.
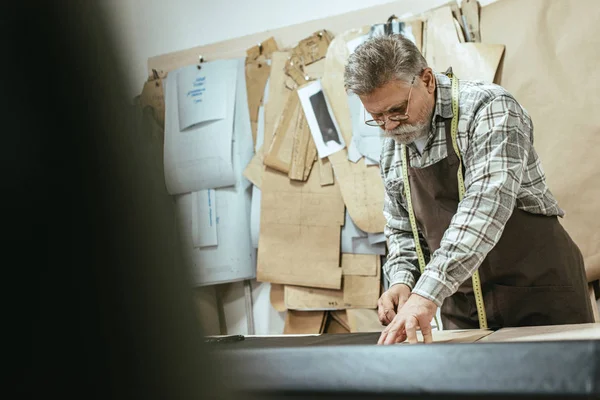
column 533, row 276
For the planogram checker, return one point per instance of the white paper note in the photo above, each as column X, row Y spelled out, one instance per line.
column 397, row 27
column 267, row 320
column 321, row 121
column 376, row 237
column 204, row 218
column 260, row 128
column 242, row 130
column 361, row 245
column 354, row 43
column 356, row 241
column 233, row 259
column 200, row 157
column 370, row 161
column 255, row 216
column 367, row 139
column 200, row 96
column 380, row 29
column 353, row 153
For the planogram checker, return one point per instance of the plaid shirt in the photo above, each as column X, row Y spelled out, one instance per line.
column 501, row 170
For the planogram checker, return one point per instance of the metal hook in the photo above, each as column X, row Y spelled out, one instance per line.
column 260, row 48
column 156, row 77
column 388, row 25
column 200, row 61
column 320, row 34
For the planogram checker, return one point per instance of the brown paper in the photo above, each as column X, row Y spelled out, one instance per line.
column 325, row 172
column 315, row 70
column 341, row 317
column 441, row 37
column 472, row 61
column 417, row 30
column 302, row 155
column 300, row 255
column 267, row 47
column 305, row 55
column 361, row 320
column 456, row 336
column 276, row 297
column 153, row 97
column 312, row 298
column 361, row 186
column 279, row 156
column 311, row 153
column 550, row 67
column 361, row 291
column 254, row 170
column 546, row 333
column 333, row 326
column 476, row 61
column 278, row 95
column 304, row 151
column 257, row 74
column 294, row 68
column 360, row 264
column 299, row 232
column 314, row 47
column 304, row 322
column 357, row 292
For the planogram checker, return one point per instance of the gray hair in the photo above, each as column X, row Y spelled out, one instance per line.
column 380, row 60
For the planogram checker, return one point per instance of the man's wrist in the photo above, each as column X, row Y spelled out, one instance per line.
column 424, row 301
column 402, row 277
column 401, row 287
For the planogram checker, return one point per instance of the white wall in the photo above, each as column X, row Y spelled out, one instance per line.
column 146, row 28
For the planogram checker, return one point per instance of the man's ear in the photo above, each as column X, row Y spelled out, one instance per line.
column 428, row 79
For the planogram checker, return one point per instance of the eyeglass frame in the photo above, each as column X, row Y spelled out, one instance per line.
column 394, row 117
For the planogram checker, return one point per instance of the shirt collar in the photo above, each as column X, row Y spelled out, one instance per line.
column 443, row 97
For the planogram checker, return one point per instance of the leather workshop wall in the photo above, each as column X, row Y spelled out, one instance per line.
column 551, row 67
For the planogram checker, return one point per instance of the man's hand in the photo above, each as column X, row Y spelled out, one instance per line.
column 416, row 312
column 391, row 301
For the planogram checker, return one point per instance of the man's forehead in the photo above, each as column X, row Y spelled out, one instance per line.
column 392, row 94
column 384, row 107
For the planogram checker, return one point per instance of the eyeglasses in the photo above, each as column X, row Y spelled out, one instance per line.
column 396, row 117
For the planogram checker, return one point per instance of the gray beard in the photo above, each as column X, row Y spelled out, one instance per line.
column 405, row 134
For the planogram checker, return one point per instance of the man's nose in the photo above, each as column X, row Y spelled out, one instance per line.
column 389, row 124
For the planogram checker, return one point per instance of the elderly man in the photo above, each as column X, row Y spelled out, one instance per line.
column 503, row 225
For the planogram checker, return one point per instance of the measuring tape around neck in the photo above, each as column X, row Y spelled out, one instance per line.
column 461, row 193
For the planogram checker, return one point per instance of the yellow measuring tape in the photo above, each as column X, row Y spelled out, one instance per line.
column 461, row 193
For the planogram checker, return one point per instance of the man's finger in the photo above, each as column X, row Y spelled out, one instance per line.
column 385, row 315
column 426, row 331
column 395, row 329
column 401, row 337
column 382, row 336
column 386, row 310
column 391, row 336
column 411, row 329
